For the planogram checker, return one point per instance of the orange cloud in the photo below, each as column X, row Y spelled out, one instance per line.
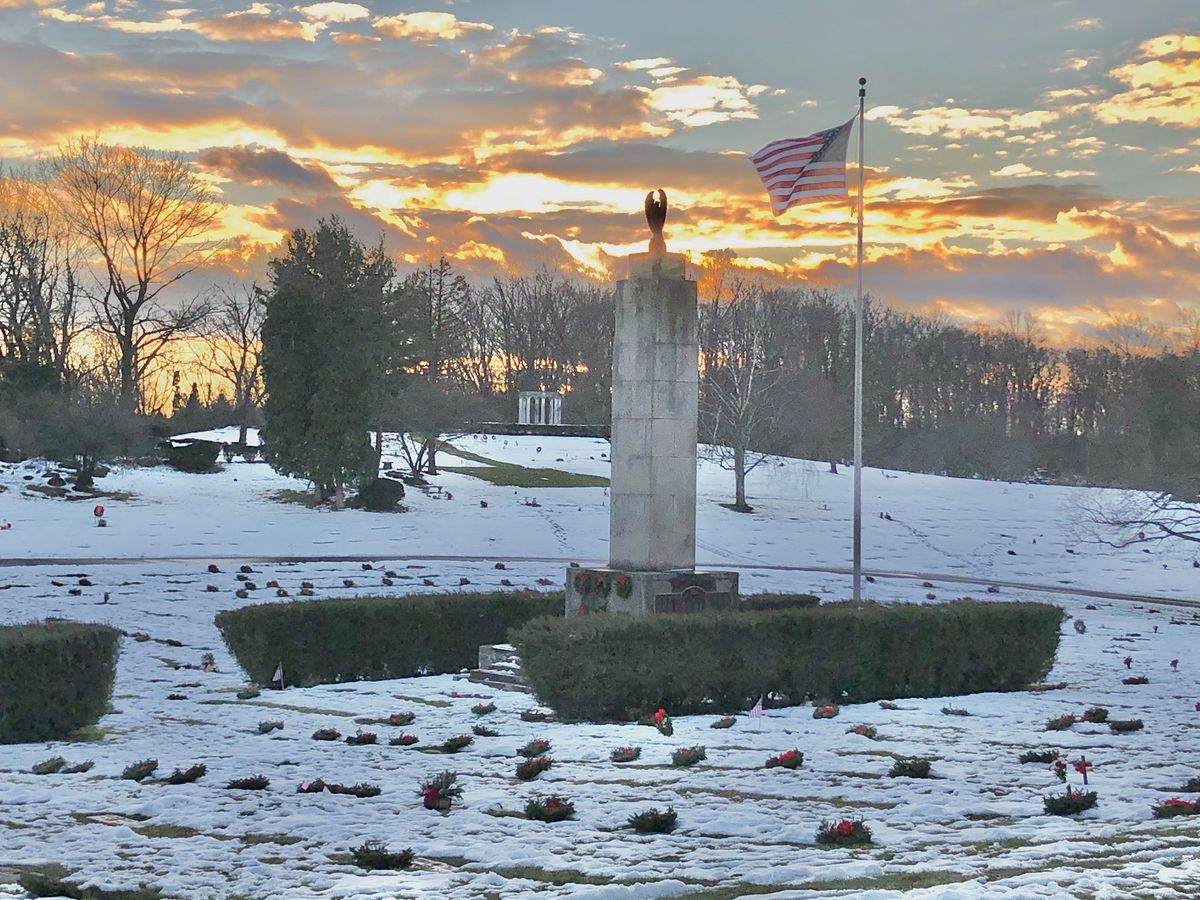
column 1163, row 85
column 426, row 27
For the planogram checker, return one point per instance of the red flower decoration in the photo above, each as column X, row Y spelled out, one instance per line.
column 845, row 828
column 659, row 715
column 579, row 610
column 1175, row 801
column 1081, row 766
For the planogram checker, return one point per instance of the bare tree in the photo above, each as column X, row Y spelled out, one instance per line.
column 1119, row 518
column 233, row 339
column 39, row 285
column 145, row 215
column 739, row 381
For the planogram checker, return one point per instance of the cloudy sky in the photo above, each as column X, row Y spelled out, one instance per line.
column 1028, row 155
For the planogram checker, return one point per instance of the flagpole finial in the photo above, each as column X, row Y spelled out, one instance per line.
column 862, row 87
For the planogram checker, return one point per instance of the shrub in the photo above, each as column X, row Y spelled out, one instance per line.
column 789, row 759
column 187, row 776
column 549, row 809
column 655, row 821
column 529, row 769
column 140, row 770
column 55, row 677
column 249, row 783
column 844, row 833
column 373, row 638
column 916, row 767
column 194, row 457
column 1124, row 726
column 51, row 884
column 1038, row 756
column 1069, row 804
column 376, row 855
column 378, row 495
column 625, row 754
column 621, row 667
column 534, row 748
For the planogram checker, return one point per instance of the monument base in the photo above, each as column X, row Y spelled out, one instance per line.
column 640, row 593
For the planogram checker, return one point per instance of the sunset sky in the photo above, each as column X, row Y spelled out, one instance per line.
column 1033, row 156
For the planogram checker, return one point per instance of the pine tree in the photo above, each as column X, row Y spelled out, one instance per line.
column 320, row 357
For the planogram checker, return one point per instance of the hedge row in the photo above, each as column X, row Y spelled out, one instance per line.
column 621, row 667
column 371, row 638
column 55, row 677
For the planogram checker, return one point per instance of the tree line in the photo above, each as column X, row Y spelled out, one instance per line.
column 95, row 247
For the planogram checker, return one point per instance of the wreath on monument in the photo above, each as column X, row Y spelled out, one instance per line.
column 583, row 583
column 624, row 585
column 601, row 584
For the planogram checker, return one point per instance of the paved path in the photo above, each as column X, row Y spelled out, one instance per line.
column 560, row 560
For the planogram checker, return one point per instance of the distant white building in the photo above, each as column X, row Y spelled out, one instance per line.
column 539, row 408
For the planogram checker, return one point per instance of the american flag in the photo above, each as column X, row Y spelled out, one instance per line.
column 796, row 170
column 756, row 710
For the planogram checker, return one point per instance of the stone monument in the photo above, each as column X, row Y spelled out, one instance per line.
column 655, row 397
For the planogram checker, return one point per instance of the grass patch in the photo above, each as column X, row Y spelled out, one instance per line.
column 284, row 840
column 298, row 498
column 510, row 475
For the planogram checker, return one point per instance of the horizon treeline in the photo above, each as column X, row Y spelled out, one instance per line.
column 85, row 341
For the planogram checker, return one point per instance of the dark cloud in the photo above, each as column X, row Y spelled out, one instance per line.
column 257, row 167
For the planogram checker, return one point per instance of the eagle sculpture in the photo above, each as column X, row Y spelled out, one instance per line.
column 656, row 217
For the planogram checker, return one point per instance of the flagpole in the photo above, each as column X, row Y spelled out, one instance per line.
column 858, row 359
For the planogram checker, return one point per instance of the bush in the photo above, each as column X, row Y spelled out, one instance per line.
column 378, row 495
column 621, row 667
column 195, row 457
column 54, row 678
column 374, row 638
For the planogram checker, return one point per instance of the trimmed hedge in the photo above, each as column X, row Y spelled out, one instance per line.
column 760, row 602
column 373, row 638
column 55, row 677
column 622, row 667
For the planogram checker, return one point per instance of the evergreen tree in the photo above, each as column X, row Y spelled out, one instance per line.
column 320, row 357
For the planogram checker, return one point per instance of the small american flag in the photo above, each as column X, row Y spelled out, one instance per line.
column 278, row 676
column 796, row 170
column 756, row 709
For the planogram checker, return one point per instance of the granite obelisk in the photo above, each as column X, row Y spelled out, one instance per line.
column 655, row 395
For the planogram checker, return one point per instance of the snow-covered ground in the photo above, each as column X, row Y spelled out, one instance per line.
column 975, row 829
